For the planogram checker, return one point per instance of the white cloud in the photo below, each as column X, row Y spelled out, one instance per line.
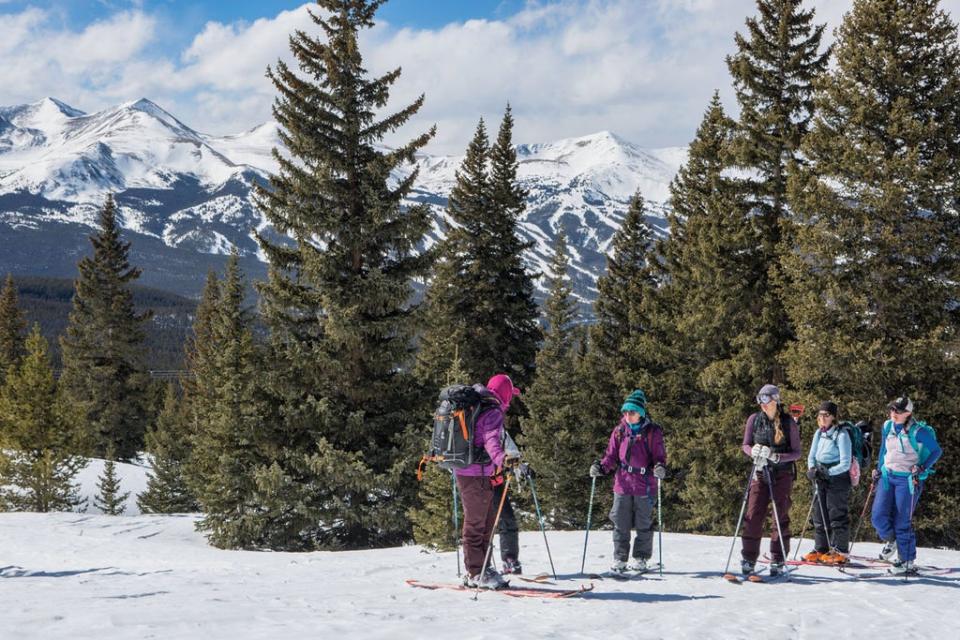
column 645, row 70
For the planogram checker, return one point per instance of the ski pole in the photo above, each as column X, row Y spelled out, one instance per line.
column 823, row 515
column 593, row 487
column 776, row 516
column 863, row 514
column 659, row 528
column 806, row 521
column 916, row 494
column 496, row 522
column 536, row 503
column 743, row 508
column 456, row 521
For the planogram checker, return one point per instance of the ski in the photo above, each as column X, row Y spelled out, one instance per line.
column 515, row 592
column 877, row 562
column 543, row 578
column 630, row 575
column 758, row 576
column 836, row 565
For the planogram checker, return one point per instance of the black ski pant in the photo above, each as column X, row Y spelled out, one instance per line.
column 508, row 529
column 834, row 500
column 632, row 512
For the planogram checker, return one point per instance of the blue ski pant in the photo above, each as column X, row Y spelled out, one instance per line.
column 892, row 514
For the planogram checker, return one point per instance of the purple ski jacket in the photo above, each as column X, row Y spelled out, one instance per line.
column 488, row 433
column 642, row 455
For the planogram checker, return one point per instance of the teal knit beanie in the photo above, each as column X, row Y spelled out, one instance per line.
column 636, row 401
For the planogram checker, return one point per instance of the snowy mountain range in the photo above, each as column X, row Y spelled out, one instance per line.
column 185, row 198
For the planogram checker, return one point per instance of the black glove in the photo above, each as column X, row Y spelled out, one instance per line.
column 875, row 475
column 659, row 471
column 510, row 461
column 822, row 472
column 812, row 474
column 596, row 470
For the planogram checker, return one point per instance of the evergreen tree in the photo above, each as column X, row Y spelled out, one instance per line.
column 231, row 447
column 338, row 301
column 12, row 328
column 516, row 312
column 168, row 444
column 699, row 359
column 432, row 517
column 553, row 437
column 480, row 300
column 875, row 264
column 452, row 296
column 199, row 387
column 37, row 469
column 109, row 498
column 103, row 371
column 773, row 72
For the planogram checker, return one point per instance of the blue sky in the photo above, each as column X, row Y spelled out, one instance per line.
column 643, row 69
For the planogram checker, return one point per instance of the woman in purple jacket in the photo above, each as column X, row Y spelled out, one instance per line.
column 475, row 484
column 637, row 454
column 771, row 439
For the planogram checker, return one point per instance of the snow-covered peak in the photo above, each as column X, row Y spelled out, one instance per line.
column 41, row 115
column 252, row 148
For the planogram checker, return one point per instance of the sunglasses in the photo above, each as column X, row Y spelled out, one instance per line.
column 898, row 411
column 824, row 414
column 764, row 398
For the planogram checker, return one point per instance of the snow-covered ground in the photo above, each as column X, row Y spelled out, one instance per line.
column 81, row 576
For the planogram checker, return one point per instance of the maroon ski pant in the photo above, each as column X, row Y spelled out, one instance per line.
column 479, row 512
column 758, row 504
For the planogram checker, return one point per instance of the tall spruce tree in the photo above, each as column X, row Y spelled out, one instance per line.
column 699, row 359
column 37, row 467
column 773, row 72
column 553, row 438
column 338, row 300
column 103, row 370
column 233, row 444
column 875, row 264
column 480, row 300
column 12, row 328
column 168, row 443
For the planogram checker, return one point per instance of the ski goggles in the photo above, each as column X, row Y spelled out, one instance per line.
column 764, row 398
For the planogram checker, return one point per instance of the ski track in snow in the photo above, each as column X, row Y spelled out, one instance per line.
column 78, row 576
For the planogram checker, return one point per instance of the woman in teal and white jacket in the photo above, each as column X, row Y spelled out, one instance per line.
column 828, row 468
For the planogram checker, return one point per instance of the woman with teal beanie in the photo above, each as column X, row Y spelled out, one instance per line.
column 636, row 453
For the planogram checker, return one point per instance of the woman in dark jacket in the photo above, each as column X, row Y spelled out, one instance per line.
column 771, row 439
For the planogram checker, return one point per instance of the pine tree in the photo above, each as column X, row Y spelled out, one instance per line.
column 338, row 301
column 553, row 437
column 109, row 498
column 432, row 517
column 103, row 370
column 773, row 72
column 231, row 447
column 452, row 296
column 514, row 306
column 37, row 470
column 12, row 328
column 168, row 444
column 480, row 300
column 699, row 359
column 875, row 264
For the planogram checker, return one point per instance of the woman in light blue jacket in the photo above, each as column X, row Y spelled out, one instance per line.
column 828, row 468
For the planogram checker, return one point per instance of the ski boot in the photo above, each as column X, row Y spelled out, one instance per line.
column 889, row 551
column 747, row 567
column 903, row 568
column 638, row 564
column 814, row 556
column 776, row 568
column 619, row 567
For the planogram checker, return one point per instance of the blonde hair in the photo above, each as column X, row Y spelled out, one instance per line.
column 778, row 435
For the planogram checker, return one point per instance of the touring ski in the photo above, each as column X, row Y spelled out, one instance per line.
column 515, row 592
